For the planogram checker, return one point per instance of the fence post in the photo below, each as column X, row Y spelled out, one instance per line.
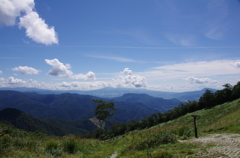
column 195, row 124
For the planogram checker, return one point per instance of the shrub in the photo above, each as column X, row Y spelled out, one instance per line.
column 152, row 139
column 51, row 145
column 70, row 146
column 52, row 148
column 18, row 143
column 184, row 131
column 162, row 154
column 5, row 142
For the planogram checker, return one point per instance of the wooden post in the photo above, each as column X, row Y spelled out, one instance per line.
column 195, row 124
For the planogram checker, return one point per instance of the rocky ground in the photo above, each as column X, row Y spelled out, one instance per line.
column 217, row 145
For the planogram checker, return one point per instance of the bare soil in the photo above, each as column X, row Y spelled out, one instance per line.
column 217, row 145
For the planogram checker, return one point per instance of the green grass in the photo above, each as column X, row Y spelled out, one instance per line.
column 155, row 142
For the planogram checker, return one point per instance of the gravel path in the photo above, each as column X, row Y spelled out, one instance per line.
column 217, row 145
column 114, row 155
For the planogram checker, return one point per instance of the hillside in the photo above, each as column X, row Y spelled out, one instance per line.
column 70, row 106
column 162, row 140
column 21, row 120
column 118, row 92
column 50, row 126
column 160, row 104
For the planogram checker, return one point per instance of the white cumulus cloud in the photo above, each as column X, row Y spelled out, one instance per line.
column 11, row 9
column 15, row 81
column 126, row 71
column 0, row 72
column 201, row 80
column 129, row 80
column 59, row 69
column 26, row 70
column 237, row 64
column 36, row 28
column 63, row 70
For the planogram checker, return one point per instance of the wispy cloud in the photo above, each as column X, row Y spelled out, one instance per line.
column 201, row 69
column 201, row 80
column 26, row 42
column 217, row 67
column 181, row 40
column 216, row 27
column 119, row 59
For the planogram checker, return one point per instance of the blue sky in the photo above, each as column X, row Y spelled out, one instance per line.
column 159, row 45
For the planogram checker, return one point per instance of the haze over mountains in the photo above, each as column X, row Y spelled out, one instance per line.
column 59, row 113
column 117, row 92
column 71, row 106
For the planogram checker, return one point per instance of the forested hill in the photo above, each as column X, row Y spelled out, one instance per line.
column 118, row 92
column 50, row 126
column 74, row 106
column 208, row 100
column 24, row 121
column 149, row 101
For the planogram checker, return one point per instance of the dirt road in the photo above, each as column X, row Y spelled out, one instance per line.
column 217, row 145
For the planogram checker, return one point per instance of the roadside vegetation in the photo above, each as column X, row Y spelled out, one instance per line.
column 160, row 140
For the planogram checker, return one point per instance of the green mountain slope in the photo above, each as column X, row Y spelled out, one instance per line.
column 224, row 117
column 50, row 126
column 24, row 121
column 70, row 106
column 161, row 140
column 160, row 104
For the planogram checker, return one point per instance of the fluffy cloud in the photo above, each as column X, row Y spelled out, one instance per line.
column 0, row 72
column 15, row 81
column 2, row 79
column 82, row 85
column 11, row 9
column 126, row 71
column 62, row 70
column 26, row 70
column 36, row 28
column 237, row 64
column 129, row 80
column 200, row 80
column 59, row 69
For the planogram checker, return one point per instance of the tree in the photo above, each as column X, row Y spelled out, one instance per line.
column 206, row 100
column 103, row 111
column 236, row 91
column 227, row 92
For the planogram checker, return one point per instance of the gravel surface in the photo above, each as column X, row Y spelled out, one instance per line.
column 217, row 145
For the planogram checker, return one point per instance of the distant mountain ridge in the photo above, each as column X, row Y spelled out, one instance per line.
column 117, row 92
column 73, row 106
column 150, row 101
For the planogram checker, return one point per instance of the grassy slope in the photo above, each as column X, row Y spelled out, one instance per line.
column 144, row 143
column 222, row 118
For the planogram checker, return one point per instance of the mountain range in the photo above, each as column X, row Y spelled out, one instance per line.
column 70, row 106
column 50, row 126
column 58, row 113
column 117, row 92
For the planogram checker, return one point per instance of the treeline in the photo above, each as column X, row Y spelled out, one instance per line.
column 207, row 100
